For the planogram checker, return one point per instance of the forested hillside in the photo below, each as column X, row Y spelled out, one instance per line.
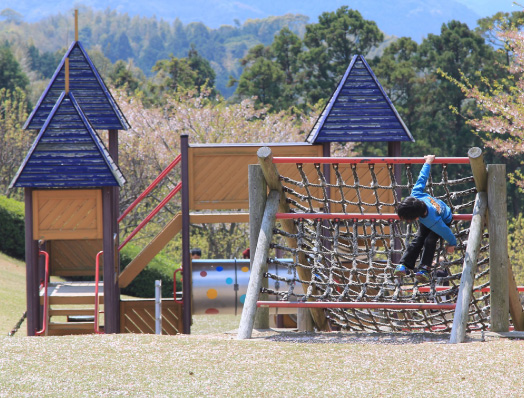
column 171, row 78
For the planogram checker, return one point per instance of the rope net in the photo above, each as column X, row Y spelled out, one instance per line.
column 345, row 259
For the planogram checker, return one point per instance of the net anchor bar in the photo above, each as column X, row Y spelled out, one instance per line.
column 356, row 305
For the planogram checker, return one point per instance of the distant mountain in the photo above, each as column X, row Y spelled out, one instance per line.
column 412, row 18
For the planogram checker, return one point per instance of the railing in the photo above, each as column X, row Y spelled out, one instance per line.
column 354, row 216
column 181, row 301
column 97, row 304
column 46, row 300
column 304, row 160
column 159, row 207
column 160, row 177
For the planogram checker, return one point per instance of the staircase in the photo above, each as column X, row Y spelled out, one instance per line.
column 71, row 307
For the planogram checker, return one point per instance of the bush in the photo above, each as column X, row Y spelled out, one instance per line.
column 143, row 285
column 12, row 231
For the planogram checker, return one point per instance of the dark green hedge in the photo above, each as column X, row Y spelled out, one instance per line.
column 143, row 285
column 12, row 231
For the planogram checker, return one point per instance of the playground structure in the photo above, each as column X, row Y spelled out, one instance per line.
column 72, row 183
column 345, row 259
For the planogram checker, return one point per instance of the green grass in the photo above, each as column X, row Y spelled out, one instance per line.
column 12, row 293
column 212, row 363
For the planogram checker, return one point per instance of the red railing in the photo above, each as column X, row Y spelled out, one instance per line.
column 97, row 304
column 151, row 215
column 354, row 216
column 355, row 304
column 46, row 300
column 160, row 177
column 330, row 160
column 174, row 287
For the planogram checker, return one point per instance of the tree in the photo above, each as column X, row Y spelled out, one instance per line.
column 331, row 44
column 14, row 143
column 11, row 74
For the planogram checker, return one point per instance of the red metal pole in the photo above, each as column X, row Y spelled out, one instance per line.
column 354, row 216
column 46, row 283
column 356, row 304
column 151, row 215
column 150, row 187
column 384, row 160
column 97, row 279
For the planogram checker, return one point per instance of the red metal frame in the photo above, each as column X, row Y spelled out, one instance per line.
column 356, row 304
column 354, row 216
column 150, row 187
column 384, row 160
column 174, row 286
column 151, row 215
column 97, row 278
column 46, row 283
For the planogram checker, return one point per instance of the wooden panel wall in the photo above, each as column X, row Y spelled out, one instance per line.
column 67, row 214
column 74, row 257
column 218, row 175
column 138, row 316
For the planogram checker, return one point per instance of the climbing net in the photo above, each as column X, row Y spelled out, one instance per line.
column 347, row 240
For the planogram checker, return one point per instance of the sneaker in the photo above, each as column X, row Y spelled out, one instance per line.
column 400, row 271
column 422, row 275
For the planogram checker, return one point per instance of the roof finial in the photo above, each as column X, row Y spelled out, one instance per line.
column 67, row 75
column 76, row 25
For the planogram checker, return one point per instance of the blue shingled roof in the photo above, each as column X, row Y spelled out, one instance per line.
column 359, row 110
column 67, row 153
column 90, row 91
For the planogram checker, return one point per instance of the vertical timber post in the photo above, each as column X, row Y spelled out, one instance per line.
column 257, row 203
column 31, row 261
column 186, row 258
column 498, row 246
column 111, row 289
column 115, row 198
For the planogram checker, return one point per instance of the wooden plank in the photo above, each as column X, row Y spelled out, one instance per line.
column 73, row 257
column 67, row 214
column 150, row 251
column 138, row 316
column 71, row 311
column 222, row 217
column 218, row 174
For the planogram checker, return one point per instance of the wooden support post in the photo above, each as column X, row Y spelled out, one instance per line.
column 460, row 319
column 478, row 167
column 257, row 204
column 272, row 179
column 304, row 320
column 498, row 247
column 31, row 263
column 515, row 306
column 186, row 258
column 255, row 279
column 111, row 288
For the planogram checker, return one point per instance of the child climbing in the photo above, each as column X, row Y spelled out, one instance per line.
column 434, row 218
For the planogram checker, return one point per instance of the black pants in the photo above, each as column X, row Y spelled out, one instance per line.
column 426, row 241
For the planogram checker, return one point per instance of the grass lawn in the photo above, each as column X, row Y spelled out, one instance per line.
column 12, row 294
column 212, row 363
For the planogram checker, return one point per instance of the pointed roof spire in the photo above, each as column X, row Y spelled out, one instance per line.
column 359, row 110
column 67, row 153
column 90, row 90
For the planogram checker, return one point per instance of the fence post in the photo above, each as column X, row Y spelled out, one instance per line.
column 158, row 307
column 498, row 247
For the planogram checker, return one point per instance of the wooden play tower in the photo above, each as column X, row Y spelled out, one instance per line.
column 72, row 181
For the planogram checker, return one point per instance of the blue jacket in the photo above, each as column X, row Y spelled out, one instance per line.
column 439, row 214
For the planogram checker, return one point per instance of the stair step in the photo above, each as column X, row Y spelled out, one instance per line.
column 73, row 293
column 71, row 326
column 71, row 311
